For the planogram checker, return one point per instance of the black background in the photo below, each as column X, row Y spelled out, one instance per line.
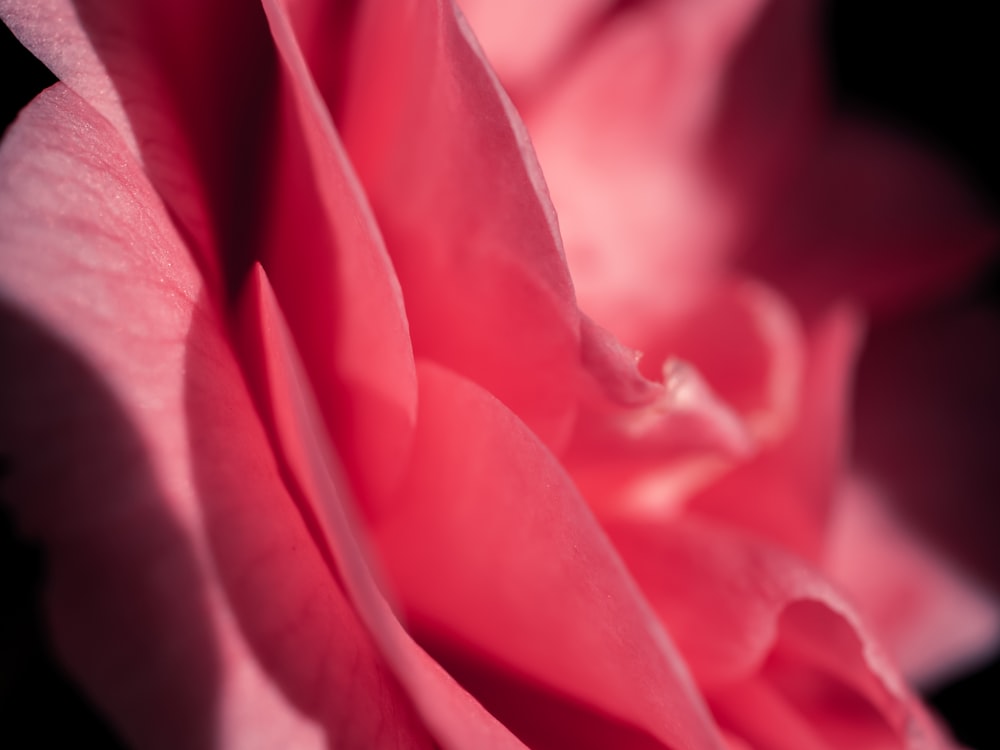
column 930, row 68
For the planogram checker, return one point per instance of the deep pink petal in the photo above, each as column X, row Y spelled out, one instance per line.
column 502, row 567
column 933, row 621
column 333, row 278
column 285, row 398
column 451, row 175
column 874, row 219
column 783, row 660
column 927, row 429
column 186, row 592
column 784, row 493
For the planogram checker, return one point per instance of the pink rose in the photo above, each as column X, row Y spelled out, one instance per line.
column 310, row 411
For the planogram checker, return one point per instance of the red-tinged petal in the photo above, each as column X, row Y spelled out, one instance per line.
column 782, row 659
column 504, row 570
column 325, row 257
column 927, row 419
column 932, row 621
column 196, row 82
column 285, row 397
column 784, row 493
column 874, row 219
column 185, row 591
column 451, row 175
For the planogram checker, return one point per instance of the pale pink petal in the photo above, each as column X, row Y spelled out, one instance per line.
column 285, row 398
column 52, row 30
column 784, row 493
column 503, row 569
column 525, row 40
column 875, row 219
column 927, row 429
column 193, row 86
column 782, row 659
column 333, row 278
column 453, row 180
column 185, row 592
column 933, row 621
column 644, row 149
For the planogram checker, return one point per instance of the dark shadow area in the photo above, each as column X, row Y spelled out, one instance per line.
column 930, row 69
column 39, row 705
column 88, row 628
column 22, row 76
column 540, row 718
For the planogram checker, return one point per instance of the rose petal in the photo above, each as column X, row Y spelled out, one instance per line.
column 748, row 344
column 286, row 400
column 324, row 254
column 782, row 659
column 454, row 183
column 932, row 621
column 874, row 219
column 784, row 493
column 652, row 184
column 501, row 566
column 196, row 84
column 524, row 40
column 185, row 590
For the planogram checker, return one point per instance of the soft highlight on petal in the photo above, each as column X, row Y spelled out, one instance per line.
column 499, row 562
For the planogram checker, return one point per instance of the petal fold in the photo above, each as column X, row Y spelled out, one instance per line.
column 499, row 562
column 451, row 174
column 285, row 397
column 185, row 591
column 783, row 660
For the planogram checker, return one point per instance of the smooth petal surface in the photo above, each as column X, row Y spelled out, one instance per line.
column 525, row 42
column 782, row 659
column 504, row 570
column 326, row 259
column 285, row 398
column 454, row 183
column 933, row 621
column 185, row 590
